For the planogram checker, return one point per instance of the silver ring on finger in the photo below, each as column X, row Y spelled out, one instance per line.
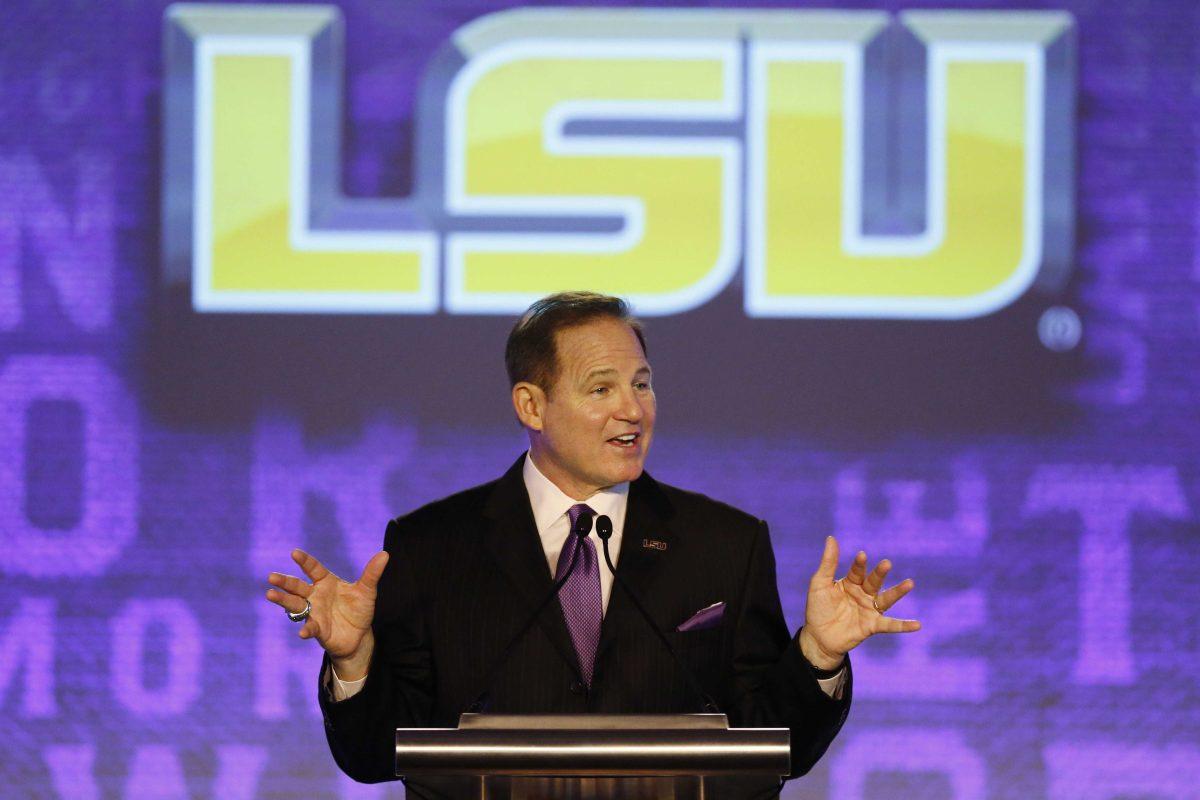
column 300, row 616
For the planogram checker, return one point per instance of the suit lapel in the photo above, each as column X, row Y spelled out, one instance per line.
column 513, row 542
column 647, row 519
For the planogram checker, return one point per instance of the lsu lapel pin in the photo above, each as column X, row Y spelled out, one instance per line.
column 654, row 544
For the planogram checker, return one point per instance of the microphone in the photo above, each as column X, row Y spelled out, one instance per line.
column 604, row 530
column 583, row 526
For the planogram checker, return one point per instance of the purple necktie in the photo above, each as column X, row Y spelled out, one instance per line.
column 580, row 595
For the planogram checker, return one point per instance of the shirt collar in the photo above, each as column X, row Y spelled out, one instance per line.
column 549, row 502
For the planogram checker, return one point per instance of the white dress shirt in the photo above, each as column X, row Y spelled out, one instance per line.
column 550, row 506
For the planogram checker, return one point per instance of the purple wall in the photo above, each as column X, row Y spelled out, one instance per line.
column 154, row 464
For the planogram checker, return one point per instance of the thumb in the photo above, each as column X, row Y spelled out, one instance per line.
column 374, row 570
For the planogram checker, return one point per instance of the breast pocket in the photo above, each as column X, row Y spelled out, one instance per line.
column 687, row 640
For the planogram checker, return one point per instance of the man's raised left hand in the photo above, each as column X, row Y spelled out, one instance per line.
column 841, row 613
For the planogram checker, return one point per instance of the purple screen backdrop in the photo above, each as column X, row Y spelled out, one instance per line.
column 155, row 464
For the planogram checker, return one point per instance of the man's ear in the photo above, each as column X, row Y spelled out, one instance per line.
column 529, row 401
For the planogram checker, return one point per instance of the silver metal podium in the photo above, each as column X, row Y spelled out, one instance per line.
column 592, row 757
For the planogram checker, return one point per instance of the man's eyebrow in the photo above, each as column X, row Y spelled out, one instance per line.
column 597, row 371
column 605, row 371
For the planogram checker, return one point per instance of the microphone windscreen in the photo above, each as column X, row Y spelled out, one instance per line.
column 604, row 527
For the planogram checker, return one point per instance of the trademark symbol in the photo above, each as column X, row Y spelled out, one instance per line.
column 1059, row 329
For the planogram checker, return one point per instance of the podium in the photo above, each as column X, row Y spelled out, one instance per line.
column 592, row 757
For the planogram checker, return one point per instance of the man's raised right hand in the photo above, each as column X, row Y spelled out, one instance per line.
column 340, row 619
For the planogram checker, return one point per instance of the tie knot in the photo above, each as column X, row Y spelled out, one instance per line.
column 578, row 510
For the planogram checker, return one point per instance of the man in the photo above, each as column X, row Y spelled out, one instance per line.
column 422, row 633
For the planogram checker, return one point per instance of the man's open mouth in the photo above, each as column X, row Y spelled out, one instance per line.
column 625, row 439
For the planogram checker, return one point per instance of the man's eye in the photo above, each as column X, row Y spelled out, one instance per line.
column 642, row 385
column 600, row 390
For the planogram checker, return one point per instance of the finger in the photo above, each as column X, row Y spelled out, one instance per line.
column 312, row 568
column 290, row 583
column 310, row 629
column 874, row 581
column 858, row 569
column 827, row 570
column 888, row 598
column 895, row 625
column 373, row 570
column 288, row 602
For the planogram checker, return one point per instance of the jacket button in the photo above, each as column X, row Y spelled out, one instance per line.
column 577, row 687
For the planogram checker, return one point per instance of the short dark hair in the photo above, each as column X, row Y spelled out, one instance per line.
column 531, row 352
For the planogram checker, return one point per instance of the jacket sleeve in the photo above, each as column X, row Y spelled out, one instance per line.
column 773, row 684
column 399, row 689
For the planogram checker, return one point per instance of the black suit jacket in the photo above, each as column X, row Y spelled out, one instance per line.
column 466, row 572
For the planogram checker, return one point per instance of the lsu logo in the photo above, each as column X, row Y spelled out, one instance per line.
column 850, row 165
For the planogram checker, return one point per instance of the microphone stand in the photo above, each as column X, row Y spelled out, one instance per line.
column 583, row 526
column 604, row 530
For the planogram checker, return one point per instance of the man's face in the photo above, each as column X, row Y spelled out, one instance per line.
column 598, row 416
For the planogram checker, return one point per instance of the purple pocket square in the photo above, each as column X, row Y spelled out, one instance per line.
column 707, row 617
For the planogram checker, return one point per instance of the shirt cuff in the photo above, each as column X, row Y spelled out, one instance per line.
column 830, row 686
column 343, row 690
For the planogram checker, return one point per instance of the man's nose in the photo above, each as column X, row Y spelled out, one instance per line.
column 631, row 407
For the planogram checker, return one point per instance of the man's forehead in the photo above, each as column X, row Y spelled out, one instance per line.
column 599, row 333
column 597, row 344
